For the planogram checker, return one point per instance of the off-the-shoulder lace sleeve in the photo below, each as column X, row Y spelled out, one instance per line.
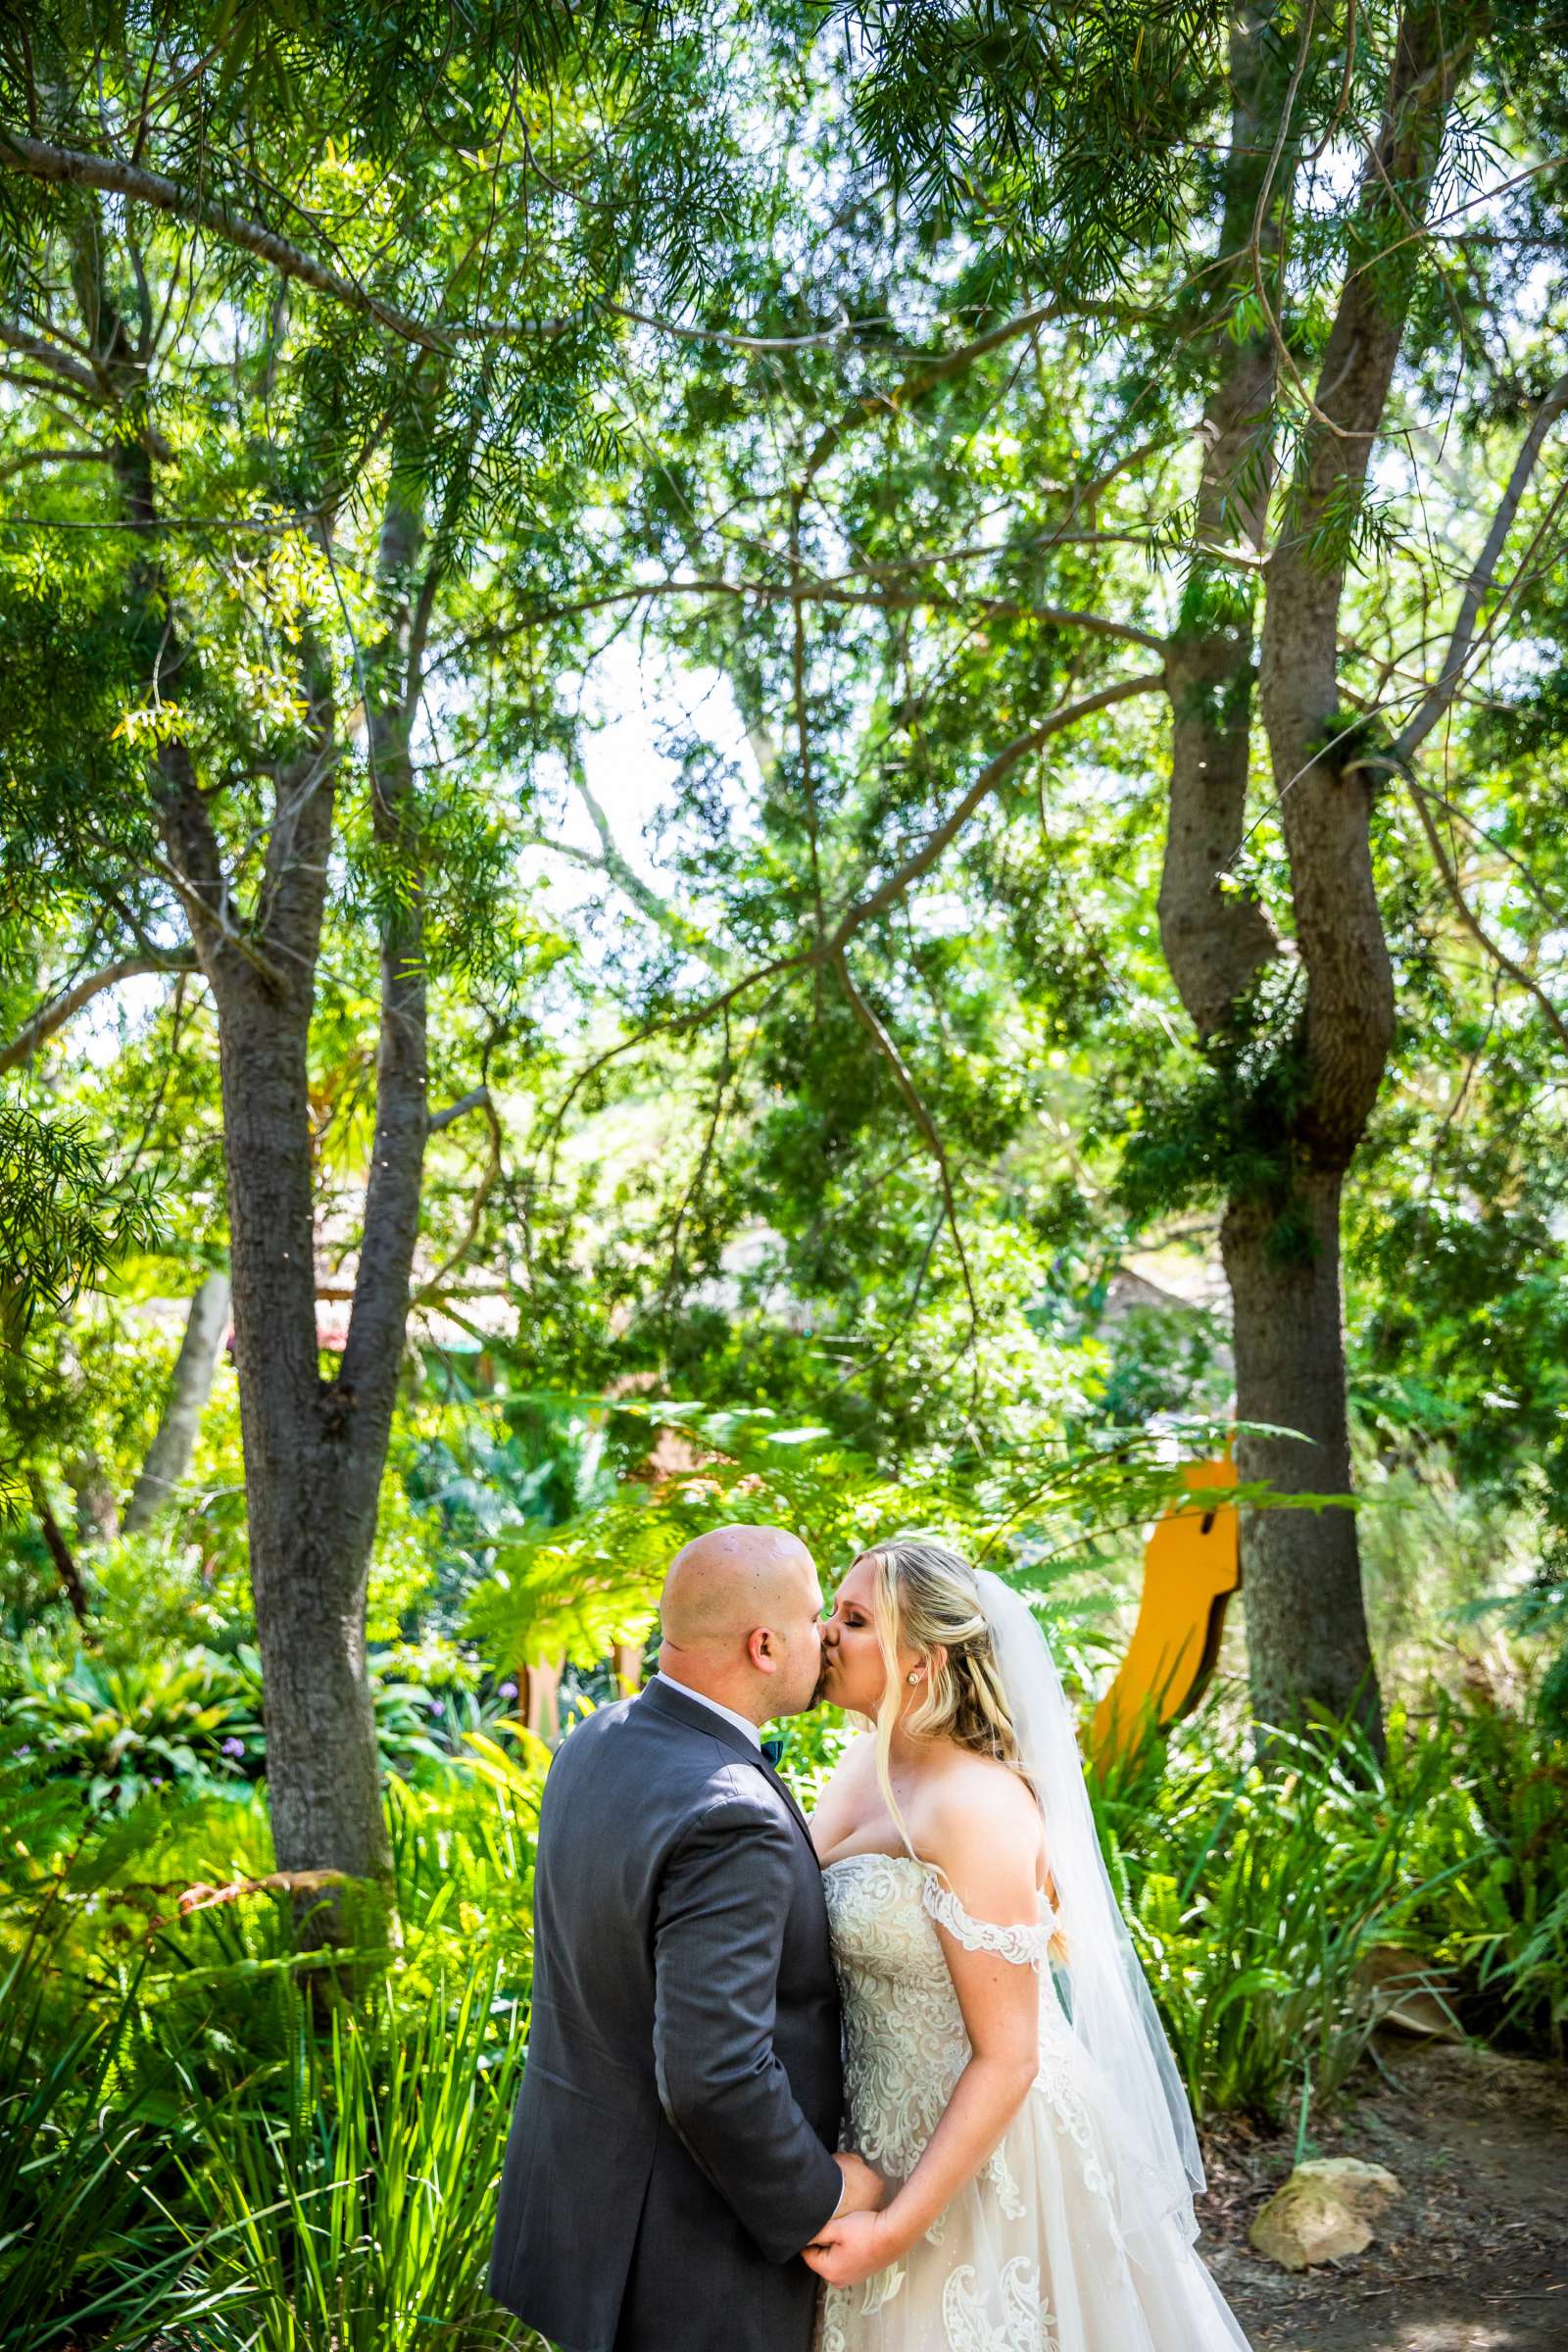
column 1024, row 1944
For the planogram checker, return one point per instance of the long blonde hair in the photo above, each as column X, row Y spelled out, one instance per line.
column 926, row 1599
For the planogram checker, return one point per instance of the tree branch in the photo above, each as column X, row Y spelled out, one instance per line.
column 995, row 774
column 611, row 863
column 1461, row 906
column 59, row 1550
column 24, row 458
column 854, row 336
column 480, row 1099
column 1348, row 1019
column 951, row 364
column 67, row 167
column 863, row 911
column 1215, row 939
column 477, row 1098
column 47, row 355
column 911, row 1093
column 836, row 591
column 379, row 1317
column 292, row 896
column 194, row 862
column 70, row 1001
column 1442, row 693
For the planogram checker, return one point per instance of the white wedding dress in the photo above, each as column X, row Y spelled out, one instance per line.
column 1052, row 2247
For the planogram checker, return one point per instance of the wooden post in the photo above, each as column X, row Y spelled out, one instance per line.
column 541, row 1700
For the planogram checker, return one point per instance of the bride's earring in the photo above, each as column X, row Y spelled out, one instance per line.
column 915, row 1676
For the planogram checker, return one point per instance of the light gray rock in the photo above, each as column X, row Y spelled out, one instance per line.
column 1324, row 2212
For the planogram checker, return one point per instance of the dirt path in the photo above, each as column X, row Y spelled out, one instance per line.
column 1472, row 2258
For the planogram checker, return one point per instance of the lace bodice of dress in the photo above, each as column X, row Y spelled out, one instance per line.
column 905, row 2042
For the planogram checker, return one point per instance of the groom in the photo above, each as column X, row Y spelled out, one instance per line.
column 671, row 2152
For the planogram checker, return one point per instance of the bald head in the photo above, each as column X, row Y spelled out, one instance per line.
column 728, row 1582
column 741, row 1614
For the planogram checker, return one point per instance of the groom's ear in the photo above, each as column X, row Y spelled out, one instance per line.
column 761, row 1649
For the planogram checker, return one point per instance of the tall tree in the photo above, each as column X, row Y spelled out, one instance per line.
column 319, row 315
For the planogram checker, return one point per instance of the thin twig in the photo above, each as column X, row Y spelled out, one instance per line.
column 1472, row 922
column 911, row 1093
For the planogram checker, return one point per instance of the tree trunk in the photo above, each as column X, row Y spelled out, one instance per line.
column 1217, row 938
column 60, row 1551
column 1307, row 1629
column 308, row 1544
column 169, row 1457
column 309, row 1554
column 97, row 1508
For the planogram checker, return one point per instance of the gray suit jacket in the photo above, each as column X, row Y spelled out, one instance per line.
column 670, row 2154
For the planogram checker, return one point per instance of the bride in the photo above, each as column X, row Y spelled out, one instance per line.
column 1005, row 2067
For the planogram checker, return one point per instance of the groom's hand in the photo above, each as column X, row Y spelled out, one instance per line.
column 864, row 2189
column 851, row 2247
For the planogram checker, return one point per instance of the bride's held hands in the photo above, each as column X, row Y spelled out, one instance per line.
column 851, row 2247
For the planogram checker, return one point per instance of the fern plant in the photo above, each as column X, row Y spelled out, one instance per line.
column 349, row 2193
column 90, row 2111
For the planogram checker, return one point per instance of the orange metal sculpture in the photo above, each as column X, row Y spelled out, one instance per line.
column 1192, row 1565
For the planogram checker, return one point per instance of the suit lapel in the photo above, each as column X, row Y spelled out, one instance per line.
column 668, row 1700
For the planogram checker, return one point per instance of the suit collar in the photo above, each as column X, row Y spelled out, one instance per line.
column 668, row 1701
column 740, row 1723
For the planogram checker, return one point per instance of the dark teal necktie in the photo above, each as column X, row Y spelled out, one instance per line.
column 773, row 1752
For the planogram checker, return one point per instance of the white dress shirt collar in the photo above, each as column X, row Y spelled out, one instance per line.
column 742, row 1723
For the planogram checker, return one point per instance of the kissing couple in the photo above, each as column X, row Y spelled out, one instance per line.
column 889, row 2080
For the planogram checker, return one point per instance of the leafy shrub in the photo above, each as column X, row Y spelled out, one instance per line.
column 194, row 2149
column 342, row 2200
column 90, row 2110
column 1254, row 1894
column 129, row 1728
column 1502, row 1925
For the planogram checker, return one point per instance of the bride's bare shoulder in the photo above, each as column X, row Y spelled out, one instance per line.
column 977, row 1803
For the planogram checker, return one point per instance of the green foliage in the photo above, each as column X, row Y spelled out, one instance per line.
column 1064, row 135
column 127, row 1729
column 63, row 1217
column 1257, row 1895
column 254, row 2177
column 123, row 1730
column 574, row 1589
column 907, row 463
column 91, row 2111
column 192, row 2139
column 1221, row 1127
column 1255, row 1892
column 1503, row 1926
column 349, row 2190
column 66, row 648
